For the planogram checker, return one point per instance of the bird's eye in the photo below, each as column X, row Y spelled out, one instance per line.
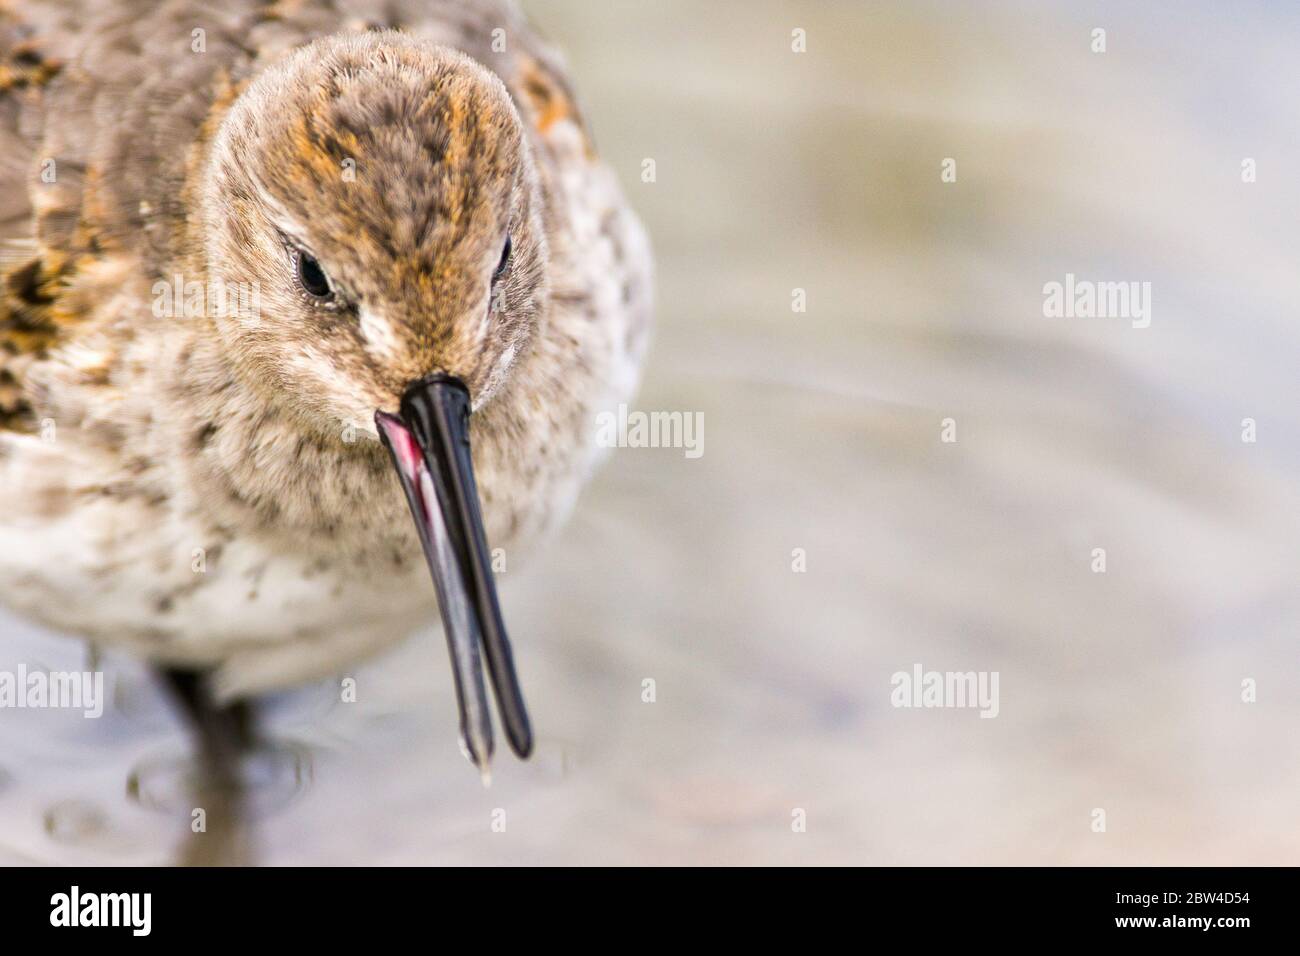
column 505, row 261
column 312, row 277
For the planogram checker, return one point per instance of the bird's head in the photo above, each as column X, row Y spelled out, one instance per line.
column 381, row 196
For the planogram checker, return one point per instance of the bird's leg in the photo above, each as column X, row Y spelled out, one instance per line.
column 224, row 732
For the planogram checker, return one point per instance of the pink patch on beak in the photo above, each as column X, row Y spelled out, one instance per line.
column 409, row 456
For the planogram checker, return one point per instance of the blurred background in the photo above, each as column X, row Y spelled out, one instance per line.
column 821, row 171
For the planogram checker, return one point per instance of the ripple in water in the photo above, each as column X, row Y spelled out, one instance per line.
column 271, row 777
column 74, row 821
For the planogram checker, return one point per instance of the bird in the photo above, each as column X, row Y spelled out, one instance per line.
column 307, row 310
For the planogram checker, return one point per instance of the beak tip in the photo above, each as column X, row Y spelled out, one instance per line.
column 522, row 746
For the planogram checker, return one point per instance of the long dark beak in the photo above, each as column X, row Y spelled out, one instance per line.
column 429, row 443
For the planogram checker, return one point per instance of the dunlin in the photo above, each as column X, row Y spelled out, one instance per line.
column 279, row 278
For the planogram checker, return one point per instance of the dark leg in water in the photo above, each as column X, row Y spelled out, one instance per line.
column 223, row 732
column 223, row 735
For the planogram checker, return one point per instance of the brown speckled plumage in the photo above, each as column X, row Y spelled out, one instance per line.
column 207, row 489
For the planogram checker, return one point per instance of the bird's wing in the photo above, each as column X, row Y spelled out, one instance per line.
column 100, row 104
column 26, row 283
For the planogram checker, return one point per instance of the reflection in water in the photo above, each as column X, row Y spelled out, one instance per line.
column 821, row 171
column 218, row 806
